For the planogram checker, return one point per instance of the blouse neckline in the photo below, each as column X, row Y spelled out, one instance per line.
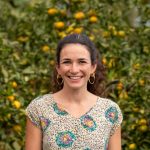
column 62, row 110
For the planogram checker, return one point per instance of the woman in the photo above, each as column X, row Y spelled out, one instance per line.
column 74, row 117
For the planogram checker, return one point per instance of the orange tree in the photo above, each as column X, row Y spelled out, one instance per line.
column 29, row 32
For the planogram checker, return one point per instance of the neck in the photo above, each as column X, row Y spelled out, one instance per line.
column 75, row 96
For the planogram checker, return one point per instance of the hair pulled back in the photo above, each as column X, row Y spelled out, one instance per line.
column 82, row 39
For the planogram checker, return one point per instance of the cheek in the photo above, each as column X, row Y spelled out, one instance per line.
column 87, row 69
column 63, row 69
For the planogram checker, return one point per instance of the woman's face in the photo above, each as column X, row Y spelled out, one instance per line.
column 75, row 66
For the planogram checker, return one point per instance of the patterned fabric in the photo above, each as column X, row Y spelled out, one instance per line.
column 112, row 114
column 88, row 122
column 44, row 123
column 65, row 139
column 62, row 131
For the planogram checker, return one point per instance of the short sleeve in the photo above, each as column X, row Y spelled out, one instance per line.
column 33, row 112
column 117, row 118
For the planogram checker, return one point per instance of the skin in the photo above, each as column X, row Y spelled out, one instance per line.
column 75, row 62
column 75, row 68
column 33, row 137
column 115, row 140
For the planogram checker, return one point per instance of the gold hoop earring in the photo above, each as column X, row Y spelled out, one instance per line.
column 92, row 76
column 59, row 79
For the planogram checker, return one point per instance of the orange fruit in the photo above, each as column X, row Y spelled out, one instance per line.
column 16, row 104
column 142, row 121
column 78, row 30
column 143, row 128
column 93, row 19
column 17, row 128
column 52, row 11
column 45, row 48
column 104, row 60
column 141, row 82
column 119, row 86
column 123, row 95
column 11, row 98
column 121, row 33
column 106, row 34
column 132, row 146
column 59, row 25
column 136, row 66
column 14, row 84
column 79, row 15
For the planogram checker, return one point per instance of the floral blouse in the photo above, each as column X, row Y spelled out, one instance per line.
column 61, row 131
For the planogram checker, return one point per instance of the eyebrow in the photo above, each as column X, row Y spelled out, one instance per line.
column 66, row 59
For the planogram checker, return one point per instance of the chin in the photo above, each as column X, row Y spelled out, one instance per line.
column 75, row 87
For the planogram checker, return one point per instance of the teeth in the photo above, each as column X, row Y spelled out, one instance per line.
column 74, row 77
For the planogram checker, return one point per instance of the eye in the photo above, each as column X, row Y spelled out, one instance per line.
column 82, row 62
column 66, row 62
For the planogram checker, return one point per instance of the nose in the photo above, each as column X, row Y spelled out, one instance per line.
column 74, row 68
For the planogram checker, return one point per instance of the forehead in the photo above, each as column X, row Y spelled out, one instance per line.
column 75, row 50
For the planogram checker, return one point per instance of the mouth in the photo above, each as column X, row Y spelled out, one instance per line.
column 74, row 77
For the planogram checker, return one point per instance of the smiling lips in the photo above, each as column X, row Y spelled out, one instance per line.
column 75, row 77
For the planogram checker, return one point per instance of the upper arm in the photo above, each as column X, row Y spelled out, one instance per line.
column 115, row 140
column 33, row 140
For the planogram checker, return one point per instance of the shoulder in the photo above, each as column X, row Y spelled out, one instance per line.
column 41, row 100
column 111, row 112
column 37, row 108
column 107, row 102
column 108, row 105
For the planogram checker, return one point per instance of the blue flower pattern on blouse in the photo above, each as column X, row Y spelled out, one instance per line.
column 44, row 123
column 111, row 114
column 59, row 110
column 88, row 122
column 65, row 139
column 70, row 132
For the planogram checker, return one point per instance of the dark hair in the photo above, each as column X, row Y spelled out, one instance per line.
column 95, row 88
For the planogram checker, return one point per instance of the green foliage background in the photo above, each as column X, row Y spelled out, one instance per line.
column 28, row 38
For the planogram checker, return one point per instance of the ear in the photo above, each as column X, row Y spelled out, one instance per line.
column 57, row 68
column 94, row 66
